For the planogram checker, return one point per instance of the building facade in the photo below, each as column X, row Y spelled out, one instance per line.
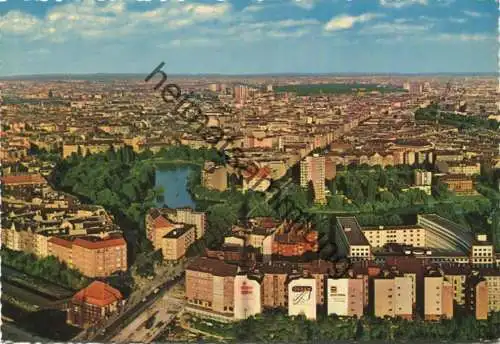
column 93, row 305
column 302, row 297
column 345, row 296
column 312, row 169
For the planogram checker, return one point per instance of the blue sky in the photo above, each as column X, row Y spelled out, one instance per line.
column 248, row 36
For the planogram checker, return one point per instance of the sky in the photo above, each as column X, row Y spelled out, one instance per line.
column 248, row 36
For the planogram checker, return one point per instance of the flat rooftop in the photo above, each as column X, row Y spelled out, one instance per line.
column 352, row 230
column 452, row 226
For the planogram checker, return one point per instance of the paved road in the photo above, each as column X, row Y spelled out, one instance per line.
column 164, row 310
column 137, row 303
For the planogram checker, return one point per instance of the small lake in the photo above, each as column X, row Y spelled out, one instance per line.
column 174, row 179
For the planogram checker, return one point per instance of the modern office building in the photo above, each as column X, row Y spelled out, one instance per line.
column 483, row 252
column 350, row 239
column 445, row 234
column 413, row 235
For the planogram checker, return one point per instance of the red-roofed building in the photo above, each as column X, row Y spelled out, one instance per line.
column 93, row 304
column 157, row 226
column 93, row 256
column 296, row 242
column 23, row 180
column 257, row 179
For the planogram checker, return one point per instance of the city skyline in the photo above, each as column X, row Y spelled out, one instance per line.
column 229, row 37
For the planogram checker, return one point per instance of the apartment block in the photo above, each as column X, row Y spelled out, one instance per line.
column 160, row 221
column 92, row 256
column 476, row 298
column 345, row 296
column 492, row 277
column 392, row 297
column 457, row 275
column 274, row 284
column 176, row 242
column 438, row 298
column 191, row 217
column 459, row 183
column 210, row 288
column 312, row 168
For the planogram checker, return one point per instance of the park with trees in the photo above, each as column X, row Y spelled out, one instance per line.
column 432, row 113
column 276, row 326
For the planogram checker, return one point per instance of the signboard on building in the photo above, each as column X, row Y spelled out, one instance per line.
column 247, row 297
column 302, row 297
column 337, row 296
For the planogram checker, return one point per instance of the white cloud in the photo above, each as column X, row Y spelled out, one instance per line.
column 253, row 8
column 345, row 21
column 402, row 3
column 457, row 20
column 188, row 42
column 293, row 23
column 92, row 19
column 288, row 34
column 396, row 28
column 18, row 22
column 472, row 14
column 305, row 4
column 462, row 37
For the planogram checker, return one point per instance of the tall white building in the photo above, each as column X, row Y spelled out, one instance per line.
column 312, row 168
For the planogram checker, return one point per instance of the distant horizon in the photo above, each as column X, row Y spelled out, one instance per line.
column 270, row 74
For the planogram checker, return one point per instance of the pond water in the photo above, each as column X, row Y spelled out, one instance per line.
column 174, row 182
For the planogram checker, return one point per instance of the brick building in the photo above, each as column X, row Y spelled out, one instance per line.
column 295, row 241
column 92, row 256
column 176, row 242
column 459, row 183
column 438, row 298
column 210, row 288
column 93, row 304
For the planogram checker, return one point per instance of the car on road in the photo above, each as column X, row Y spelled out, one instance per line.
column 150, row 322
